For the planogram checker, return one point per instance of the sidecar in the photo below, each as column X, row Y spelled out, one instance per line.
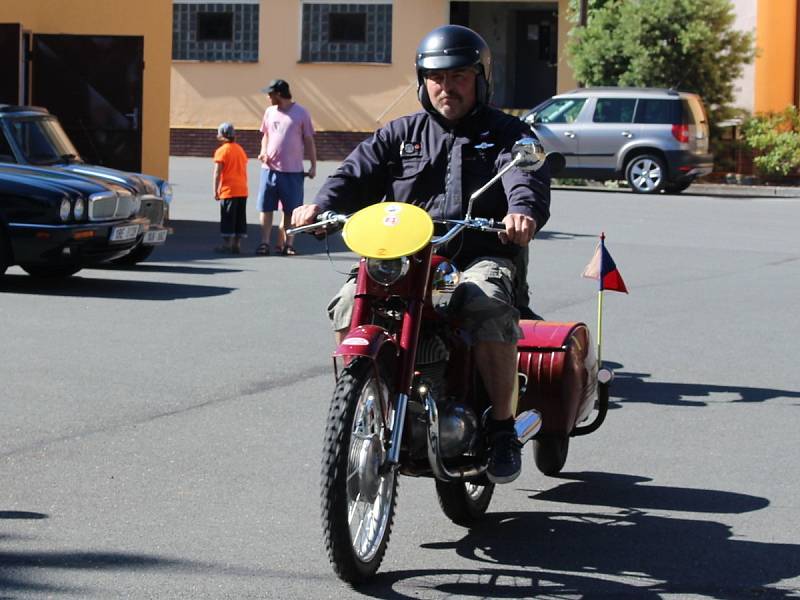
column 559, row 377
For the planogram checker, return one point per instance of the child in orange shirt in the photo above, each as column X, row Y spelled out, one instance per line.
column 230, row 189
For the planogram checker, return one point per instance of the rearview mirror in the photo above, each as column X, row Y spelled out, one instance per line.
column 529, row 154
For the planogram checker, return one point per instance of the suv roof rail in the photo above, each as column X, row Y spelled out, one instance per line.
column 623, row 88
column 12, row 108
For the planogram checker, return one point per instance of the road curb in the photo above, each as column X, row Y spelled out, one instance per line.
column 705, row 189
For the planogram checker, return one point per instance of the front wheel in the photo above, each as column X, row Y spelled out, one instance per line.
column 358, row 493
column 137, row 255
column 646, row 174
column 463, row 502
column 50, row 271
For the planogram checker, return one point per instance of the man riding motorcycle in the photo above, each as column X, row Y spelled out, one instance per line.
column 435, row 159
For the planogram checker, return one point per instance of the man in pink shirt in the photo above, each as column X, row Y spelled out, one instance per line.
column 288, row 136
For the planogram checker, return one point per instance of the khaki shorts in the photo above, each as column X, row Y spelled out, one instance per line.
column 482, row 303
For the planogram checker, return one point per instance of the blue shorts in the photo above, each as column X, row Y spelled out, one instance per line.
column 276, row 185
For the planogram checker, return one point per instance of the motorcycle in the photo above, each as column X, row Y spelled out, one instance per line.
column 408, row 398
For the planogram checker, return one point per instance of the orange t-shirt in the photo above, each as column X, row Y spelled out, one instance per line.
column 233, row 170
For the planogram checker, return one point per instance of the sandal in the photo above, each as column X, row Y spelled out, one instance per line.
column 262, row 250
column 223, row 250
column 288, row 251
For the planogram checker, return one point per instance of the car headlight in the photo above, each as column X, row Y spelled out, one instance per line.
column 166, row 191
column 65, row 209
column 387, row 272
column 444, row 280
column 80, row 209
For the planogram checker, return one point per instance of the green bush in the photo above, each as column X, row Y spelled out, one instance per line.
column 688, row 45
column 775, row 138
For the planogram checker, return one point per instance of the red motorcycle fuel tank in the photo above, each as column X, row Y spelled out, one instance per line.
column 559, row 362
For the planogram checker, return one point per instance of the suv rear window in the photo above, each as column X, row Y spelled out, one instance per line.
column 614, row 110
column 659, row 112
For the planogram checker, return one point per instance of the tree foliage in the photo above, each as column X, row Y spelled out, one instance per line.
column 687, row 45
column 775, row 137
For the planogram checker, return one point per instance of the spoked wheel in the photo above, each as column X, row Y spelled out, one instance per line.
column 646, row 174
column 358, row 495
column 464, row 502
column 550, row 453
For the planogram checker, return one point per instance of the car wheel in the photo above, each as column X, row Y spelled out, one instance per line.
column 677, row 188
column 137, row 255
column 50, row 271
column 646, row 174
column 5, row 253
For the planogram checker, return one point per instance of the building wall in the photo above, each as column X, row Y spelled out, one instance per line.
column 149, row 18
column 340, row 97
column 776, row 63
column 746, row 12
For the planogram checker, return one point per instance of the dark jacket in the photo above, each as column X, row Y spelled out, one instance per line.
column 420, row 160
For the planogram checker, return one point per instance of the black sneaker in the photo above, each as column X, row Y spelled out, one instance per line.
column 505, row 457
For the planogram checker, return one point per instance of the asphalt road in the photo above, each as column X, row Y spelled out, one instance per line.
column 161, row 426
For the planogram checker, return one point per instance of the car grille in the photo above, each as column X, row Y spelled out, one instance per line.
column 110, row 205
column 152, row 207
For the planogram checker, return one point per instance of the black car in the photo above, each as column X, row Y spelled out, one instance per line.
column 30, row 135
column 54, row 222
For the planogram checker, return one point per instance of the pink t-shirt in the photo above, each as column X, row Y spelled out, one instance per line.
column 285, row 132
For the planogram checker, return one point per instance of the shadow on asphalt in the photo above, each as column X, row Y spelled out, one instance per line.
column 628, row 550
column 83, row 285
column 631, row 387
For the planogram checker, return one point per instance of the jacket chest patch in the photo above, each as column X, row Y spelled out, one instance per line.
column 410, row 149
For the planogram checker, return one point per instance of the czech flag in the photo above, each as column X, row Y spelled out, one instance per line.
column 603, row 268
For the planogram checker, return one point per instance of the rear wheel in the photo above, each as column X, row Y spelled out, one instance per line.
column 646, row 174
column 550, row 453
column 464, row 502
column 51, row 271
column 358, row 495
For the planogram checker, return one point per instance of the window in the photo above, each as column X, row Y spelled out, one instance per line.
column 565, row 110
column 345, row 27
column 214, row 27
column 215, row 31
column 347, row 32
column 662, row 112
column 614, row 110
column 6, row 154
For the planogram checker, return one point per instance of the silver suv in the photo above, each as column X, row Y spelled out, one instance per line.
column 656, row 139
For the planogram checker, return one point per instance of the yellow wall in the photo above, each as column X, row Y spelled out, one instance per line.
column 149, row 18
column 340, row 97
column 565, row 76
column 775, row 66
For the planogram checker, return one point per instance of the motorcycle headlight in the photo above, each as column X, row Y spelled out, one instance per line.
column 80, row 208
column 444, row 280
column 387, row 272
column 65, row 209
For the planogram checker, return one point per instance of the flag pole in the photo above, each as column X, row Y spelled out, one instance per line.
column 600, row 305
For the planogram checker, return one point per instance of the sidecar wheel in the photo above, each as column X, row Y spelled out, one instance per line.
column 464, row 503
column 358, row 497
column 550, row 453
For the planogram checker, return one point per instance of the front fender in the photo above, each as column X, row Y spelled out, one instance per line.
column 365, row 340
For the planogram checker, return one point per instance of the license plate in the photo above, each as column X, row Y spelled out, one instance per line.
column 124, row 233
column 157, row 236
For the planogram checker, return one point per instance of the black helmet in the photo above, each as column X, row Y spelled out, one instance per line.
column 453, row 47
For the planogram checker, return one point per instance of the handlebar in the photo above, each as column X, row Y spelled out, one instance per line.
column 328, row 218
column 324, row 221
